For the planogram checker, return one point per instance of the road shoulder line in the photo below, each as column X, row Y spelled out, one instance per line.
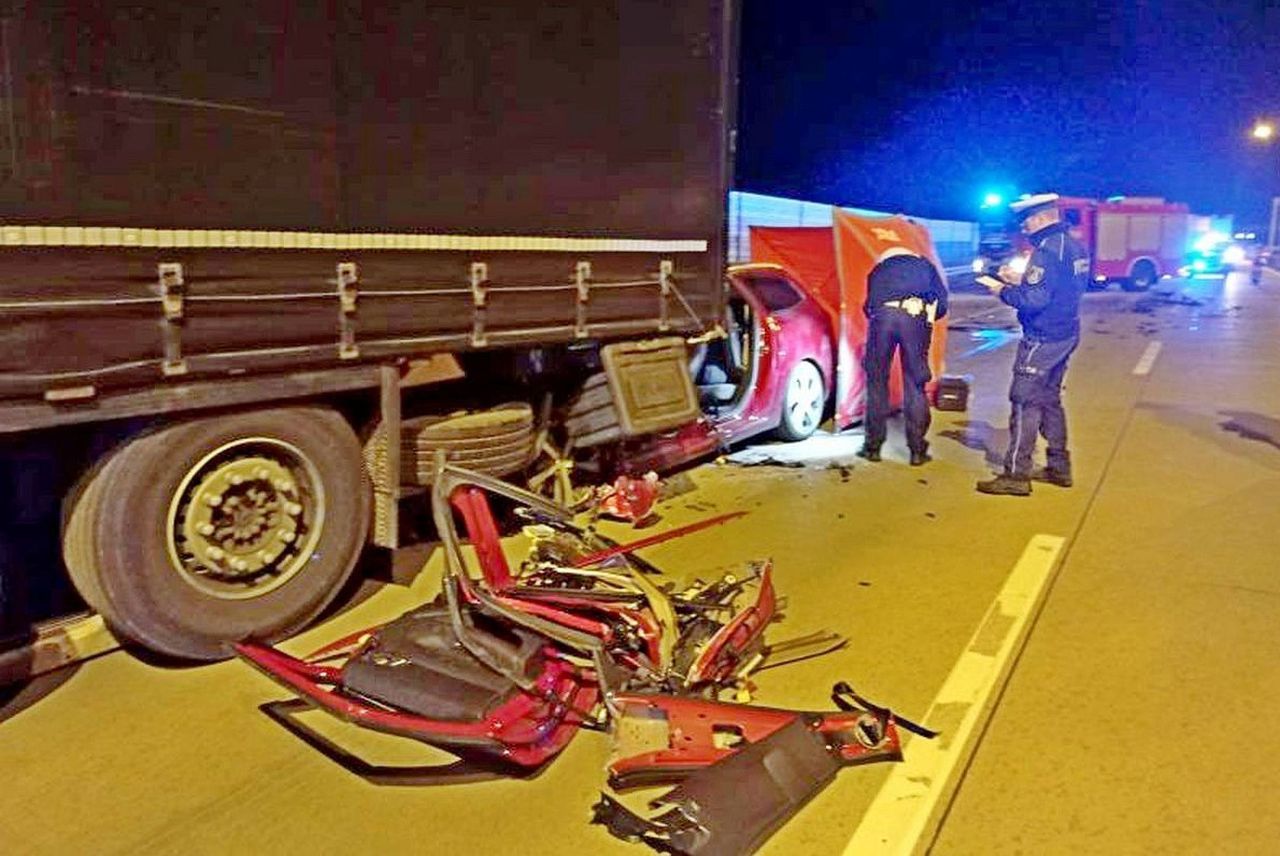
column 910, row 801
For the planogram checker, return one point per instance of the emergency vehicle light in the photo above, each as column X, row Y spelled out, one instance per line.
column 1209, row 240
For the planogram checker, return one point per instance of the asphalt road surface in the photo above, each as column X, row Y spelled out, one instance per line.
column 1103, row 662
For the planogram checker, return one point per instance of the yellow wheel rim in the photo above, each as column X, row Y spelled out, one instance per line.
column 245, row 519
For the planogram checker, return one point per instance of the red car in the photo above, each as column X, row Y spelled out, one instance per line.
column 774, row 369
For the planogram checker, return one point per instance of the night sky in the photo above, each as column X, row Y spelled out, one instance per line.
column 921, row 106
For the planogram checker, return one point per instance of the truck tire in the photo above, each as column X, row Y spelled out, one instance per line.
column 1141, row 277
column 498, row 441
column 215, row 530
column 592, row 418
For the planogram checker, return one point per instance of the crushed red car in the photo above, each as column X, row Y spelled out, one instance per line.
column 509, row 663
column 774, row 369
column 794, row 338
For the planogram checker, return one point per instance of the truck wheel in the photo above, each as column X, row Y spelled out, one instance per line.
column 803, row 402
column 1141, row 277
column 220, row 529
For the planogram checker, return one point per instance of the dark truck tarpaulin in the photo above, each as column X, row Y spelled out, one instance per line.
column 189, row 190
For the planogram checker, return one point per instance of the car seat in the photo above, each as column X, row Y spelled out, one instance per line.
column 722, row 367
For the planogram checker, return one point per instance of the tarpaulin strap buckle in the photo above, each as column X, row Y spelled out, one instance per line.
column 665, row 267
column 582, row 279
column 173, row 298
column 348, row 278
column 480, row 299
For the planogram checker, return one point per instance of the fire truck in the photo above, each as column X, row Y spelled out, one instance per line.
column 1131, row 240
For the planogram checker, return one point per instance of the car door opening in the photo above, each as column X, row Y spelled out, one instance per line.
column 724, row 369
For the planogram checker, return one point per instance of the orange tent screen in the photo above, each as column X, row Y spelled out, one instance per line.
column 831, row 264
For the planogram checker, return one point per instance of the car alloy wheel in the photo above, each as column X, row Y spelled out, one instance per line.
column 804, row 401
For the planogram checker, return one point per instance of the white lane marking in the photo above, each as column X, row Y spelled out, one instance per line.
column 1148, row 359
column 909, row 802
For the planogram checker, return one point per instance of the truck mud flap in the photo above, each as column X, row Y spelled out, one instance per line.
column 733, row 806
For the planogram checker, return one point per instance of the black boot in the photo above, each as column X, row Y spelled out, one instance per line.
column 920, row 458
column 1006, row 485
column 869, row 453
column 1052, row 475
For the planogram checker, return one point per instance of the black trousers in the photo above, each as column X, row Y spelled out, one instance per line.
column 1035, row 397
column 890, row 330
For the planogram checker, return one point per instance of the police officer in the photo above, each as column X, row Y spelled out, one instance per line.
column 1048, row 304
column 905, row 295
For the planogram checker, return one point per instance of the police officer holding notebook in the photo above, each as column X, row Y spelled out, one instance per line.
column 905, row 295
column 1048, row 304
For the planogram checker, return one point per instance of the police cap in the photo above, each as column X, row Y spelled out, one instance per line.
column 1028, row 205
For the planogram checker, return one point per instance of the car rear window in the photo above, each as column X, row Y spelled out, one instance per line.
column 774, row 292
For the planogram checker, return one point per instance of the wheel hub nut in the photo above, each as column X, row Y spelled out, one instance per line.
column 237, row 512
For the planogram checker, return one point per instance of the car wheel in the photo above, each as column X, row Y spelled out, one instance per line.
column 803, row 402
column 1141, row 277
column 216, row 530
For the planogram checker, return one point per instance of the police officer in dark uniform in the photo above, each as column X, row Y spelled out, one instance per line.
column 905, row 295
column 1048, row 304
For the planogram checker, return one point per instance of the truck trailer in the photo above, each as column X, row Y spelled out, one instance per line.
column 261, row 264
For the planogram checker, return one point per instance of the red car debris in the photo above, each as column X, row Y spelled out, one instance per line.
column 509, row 663
column 630, row 498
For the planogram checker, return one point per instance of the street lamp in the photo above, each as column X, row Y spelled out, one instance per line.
column 1265, row 132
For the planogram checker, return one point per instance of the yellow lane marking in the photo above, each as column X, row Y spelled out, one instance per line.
column 903, row 815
